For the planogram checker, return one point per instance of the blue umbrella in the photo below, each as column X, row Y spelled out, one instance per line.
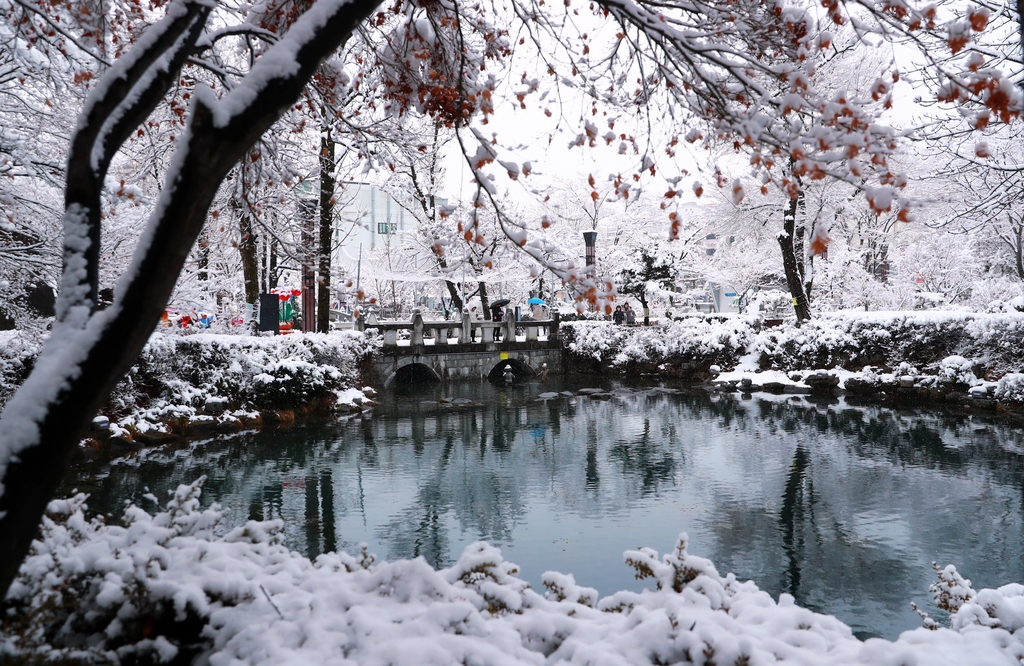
column 536, row 301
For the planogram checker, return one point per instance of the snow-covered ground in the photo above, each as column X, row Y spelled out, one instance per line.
column 173, row 586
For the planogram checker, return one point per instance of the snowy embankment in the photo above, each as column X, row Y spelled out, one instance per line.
column 933, row 355
column 173, row 588
column 199, row 384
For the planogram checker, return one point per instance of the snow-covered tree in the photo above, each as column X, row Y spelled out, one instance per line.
column 651, row 268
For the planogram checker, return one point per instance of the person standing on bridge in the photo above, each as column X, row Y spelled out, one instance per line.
column 496, row 316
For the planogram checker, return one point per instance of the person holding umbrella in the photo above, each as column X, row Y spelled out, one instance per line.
column 538, row 309
column 496, row 315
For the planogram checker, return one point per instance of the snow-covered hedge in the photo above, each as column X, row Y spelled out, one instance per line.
column 279, row 372
column 850, row 340
column 175, row 375
column 174, row 587
column 855, row 339
column 695, row 340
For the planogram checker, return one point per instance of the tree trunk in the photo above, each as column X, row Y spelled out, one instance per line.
column 453, row 292
column 642, row 296
column 789, row 262
column 798, row 240
column 272, row 273
column 203, row 261
column 88, row 350
column 1018, row 246
column 484, row 301
column 247, row 245
column 323, row 319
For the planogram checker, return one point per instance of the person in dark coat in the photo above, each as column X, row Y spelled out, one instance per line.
column 496, row 316
column 618, row 315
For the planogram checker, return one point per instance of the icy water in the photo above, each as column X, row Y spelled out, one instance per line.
column 843, row 507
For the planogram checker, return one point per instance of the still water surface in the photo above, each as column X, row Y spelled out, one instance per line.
column 843, row 507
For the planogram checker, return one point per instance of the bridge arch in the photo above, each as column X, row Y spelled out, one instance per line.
column 412, row 373
column 520, row 369
column 455, row 362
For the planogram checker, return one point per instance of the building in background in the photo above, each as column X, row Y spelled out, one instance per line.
column 366, row 216
column 371, row 226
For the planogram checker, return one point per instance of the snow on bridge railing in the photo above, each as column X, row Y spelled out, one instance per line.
column 419, row 332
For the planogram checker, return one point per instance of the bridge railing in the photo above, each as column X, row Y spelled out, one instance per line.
column 467, row 331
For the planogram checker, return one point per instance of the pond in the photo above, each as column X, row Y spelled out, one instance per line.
column 843, row 507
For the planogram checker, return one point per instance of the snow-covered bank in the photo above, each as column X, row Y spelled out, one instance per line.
column 172, row 587
column 933, row 355
column 198, row 384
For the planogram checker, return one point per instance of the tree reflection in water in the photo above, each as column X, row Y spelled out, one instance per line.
column 791, row 519
column 652, row 461
column 843, row 507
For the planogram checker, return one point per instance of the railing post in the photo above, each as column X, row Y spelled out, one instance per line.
column 510, row 325
column 417, row 329
column 531, row 332
column 467, row 329
column 553, row 326
column 390, row 337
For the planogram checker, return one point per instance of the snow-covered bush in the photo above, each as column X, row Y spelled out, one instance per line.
column 772, row 304
column 696, row 340
column 277, row 372
column 997, row 341
column 816, row 344
column 855, row 339
column 956, row 370
column 176, row 374
column 176, row 586
column 18, row 352
column 1011, row 387
column 937, row 349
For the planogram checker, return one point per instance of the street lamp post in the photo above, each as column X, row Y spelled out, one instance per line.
column 590, row 240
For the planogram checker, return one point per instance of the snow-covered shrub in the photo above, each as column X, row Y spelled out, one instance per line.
column 850, row 340
column 854, row 339
column 177, row 586
column 1001, row 609
column 956, row 370
column 1011, row 387
column 676, row 570
column 951, row 590
column 772, row 304
column 277, row 372
column 18, row 352
column 696, row 340
column 593, row 339
column 817, row 344
column 996, row 341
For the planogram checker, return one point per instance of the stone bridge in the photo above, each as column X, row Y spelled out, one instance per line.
column 439, row 350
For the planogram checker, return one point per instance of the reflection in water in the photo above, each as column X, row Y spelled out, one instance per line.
column 792, row 518
column 840, row 506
